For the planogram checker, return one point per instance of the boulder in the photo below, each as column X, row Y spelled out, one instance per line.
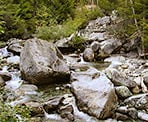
column 94, row 93
column 88, row 54
column 15, row 45
column 41, row 62
column 119, row 79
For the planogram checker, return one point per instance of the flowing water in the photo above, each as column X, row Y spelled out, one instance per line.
column 45, row 91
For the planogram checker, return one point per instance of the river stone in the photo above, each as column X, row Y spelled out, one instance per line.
column 123, row 92
column 5, row 75
column 15, row 45
column 88, row 54
column 94, row 93
column 41, row 62
column 118, row 79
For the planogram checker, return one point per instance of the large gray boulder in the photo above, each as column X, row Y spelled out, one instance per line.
column 94, row 93
column 41, row 62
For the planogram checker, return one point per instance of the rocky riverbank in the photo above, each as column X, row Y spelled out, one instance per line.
column 76, row 89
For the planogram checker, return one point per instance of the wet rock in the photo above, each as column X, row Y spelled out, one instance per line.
column 52, row 104
column 41, row 62
column 122, row 117
column 2, row 82
column 95, row 46
column 36, row 108
column 94, row 93
column 15, row 45
column 123, row 92
column 118, row 79
column 5, row 75
column 88, row 54
column 143, row 116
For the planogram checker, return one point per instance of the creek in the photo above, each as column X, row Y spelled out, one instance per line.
column 10, row 65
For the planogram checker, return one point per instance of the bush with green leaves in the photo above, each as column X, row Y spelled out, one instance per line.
column 8, row 113
column 13, row 114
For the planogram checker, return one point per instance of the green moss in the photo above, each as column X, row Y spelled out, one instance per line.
column 2, row 44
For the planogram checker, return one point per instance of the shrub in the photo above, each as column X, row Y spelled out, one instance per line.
column 54, row 31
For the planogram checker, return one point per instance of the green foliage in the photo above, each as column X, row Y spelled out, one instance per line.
column 13, row 114
column 55, row 31
column 77, row 42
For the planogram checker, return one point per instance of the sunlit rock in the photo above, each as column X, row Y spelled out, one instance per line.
column 94, row 93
